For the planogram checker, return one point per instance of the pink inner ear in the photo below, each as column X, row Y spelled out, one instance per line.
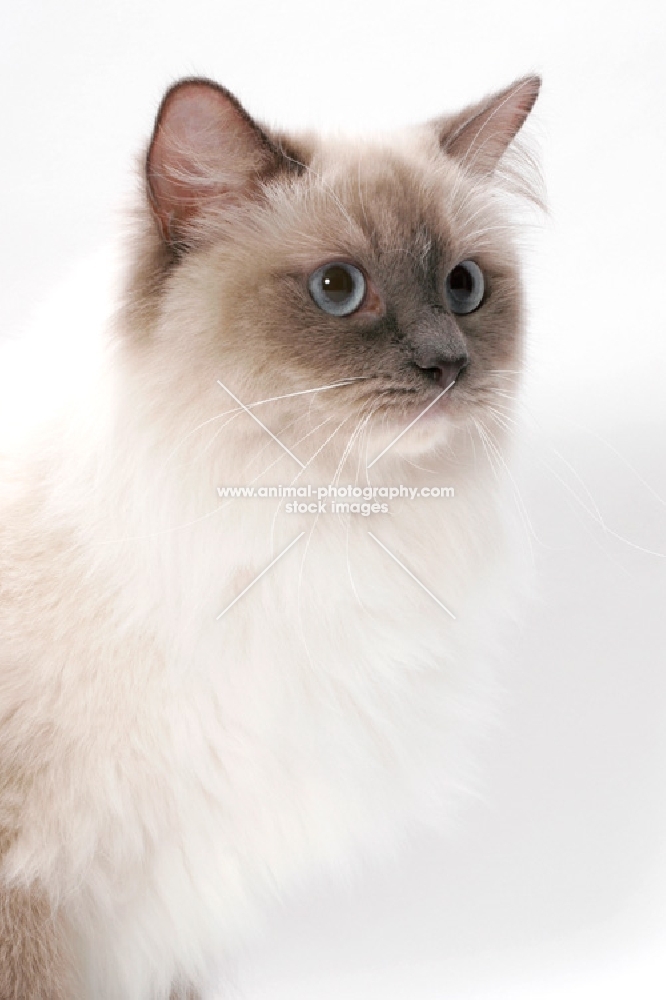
column 205, row 152
column 480, row 135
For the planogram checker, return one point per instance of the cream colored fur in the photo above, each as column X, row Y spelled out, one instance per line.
column 162, row 772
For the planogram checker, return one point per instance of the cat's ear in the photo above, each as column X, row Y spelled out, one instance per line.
column 205, row 153
column 479, row 135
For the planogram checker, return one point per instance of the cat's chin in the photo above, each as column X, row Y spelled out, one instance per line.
column 429, row 430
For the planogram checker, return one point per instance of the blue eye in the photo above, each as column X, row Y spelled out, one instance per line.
column 464, row 287
column 338, row 288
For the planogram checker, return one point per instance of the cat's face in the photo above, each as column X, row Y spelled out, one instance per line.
column 298, row 263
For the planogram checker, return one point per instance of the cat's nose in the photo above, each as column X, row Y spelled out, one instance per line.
column 443, row 371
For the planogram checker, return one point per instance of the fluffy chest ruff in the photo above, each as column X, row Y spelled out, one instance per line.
column 193, row 766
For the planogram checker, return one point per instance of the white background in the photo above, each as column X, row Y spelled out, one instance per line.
column 553, row 884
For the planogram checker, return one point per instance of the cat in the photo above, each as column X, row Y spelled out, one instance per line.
column 203, row 697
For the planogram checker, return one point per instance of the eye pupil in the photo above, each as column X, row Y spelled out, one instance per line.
column 461, row 280
column 464, row 287
column 337, row 283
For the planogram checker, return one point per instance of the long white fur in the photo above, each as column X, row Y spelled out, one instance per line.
column 185, row 768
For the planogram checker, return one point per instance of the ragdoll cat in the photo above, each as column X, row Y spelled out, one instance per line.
column 203, row 697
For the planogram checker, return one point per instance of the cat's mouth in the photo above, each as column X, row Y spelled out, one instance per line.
column 411, row 420
column 439, row 391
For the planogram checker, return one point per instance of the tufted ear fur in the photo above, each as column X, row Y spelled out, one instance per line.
column 205, row 153
column 479, row 135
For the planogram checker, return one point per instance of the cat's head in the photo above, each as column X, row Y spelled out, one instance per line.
column 290, row 263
